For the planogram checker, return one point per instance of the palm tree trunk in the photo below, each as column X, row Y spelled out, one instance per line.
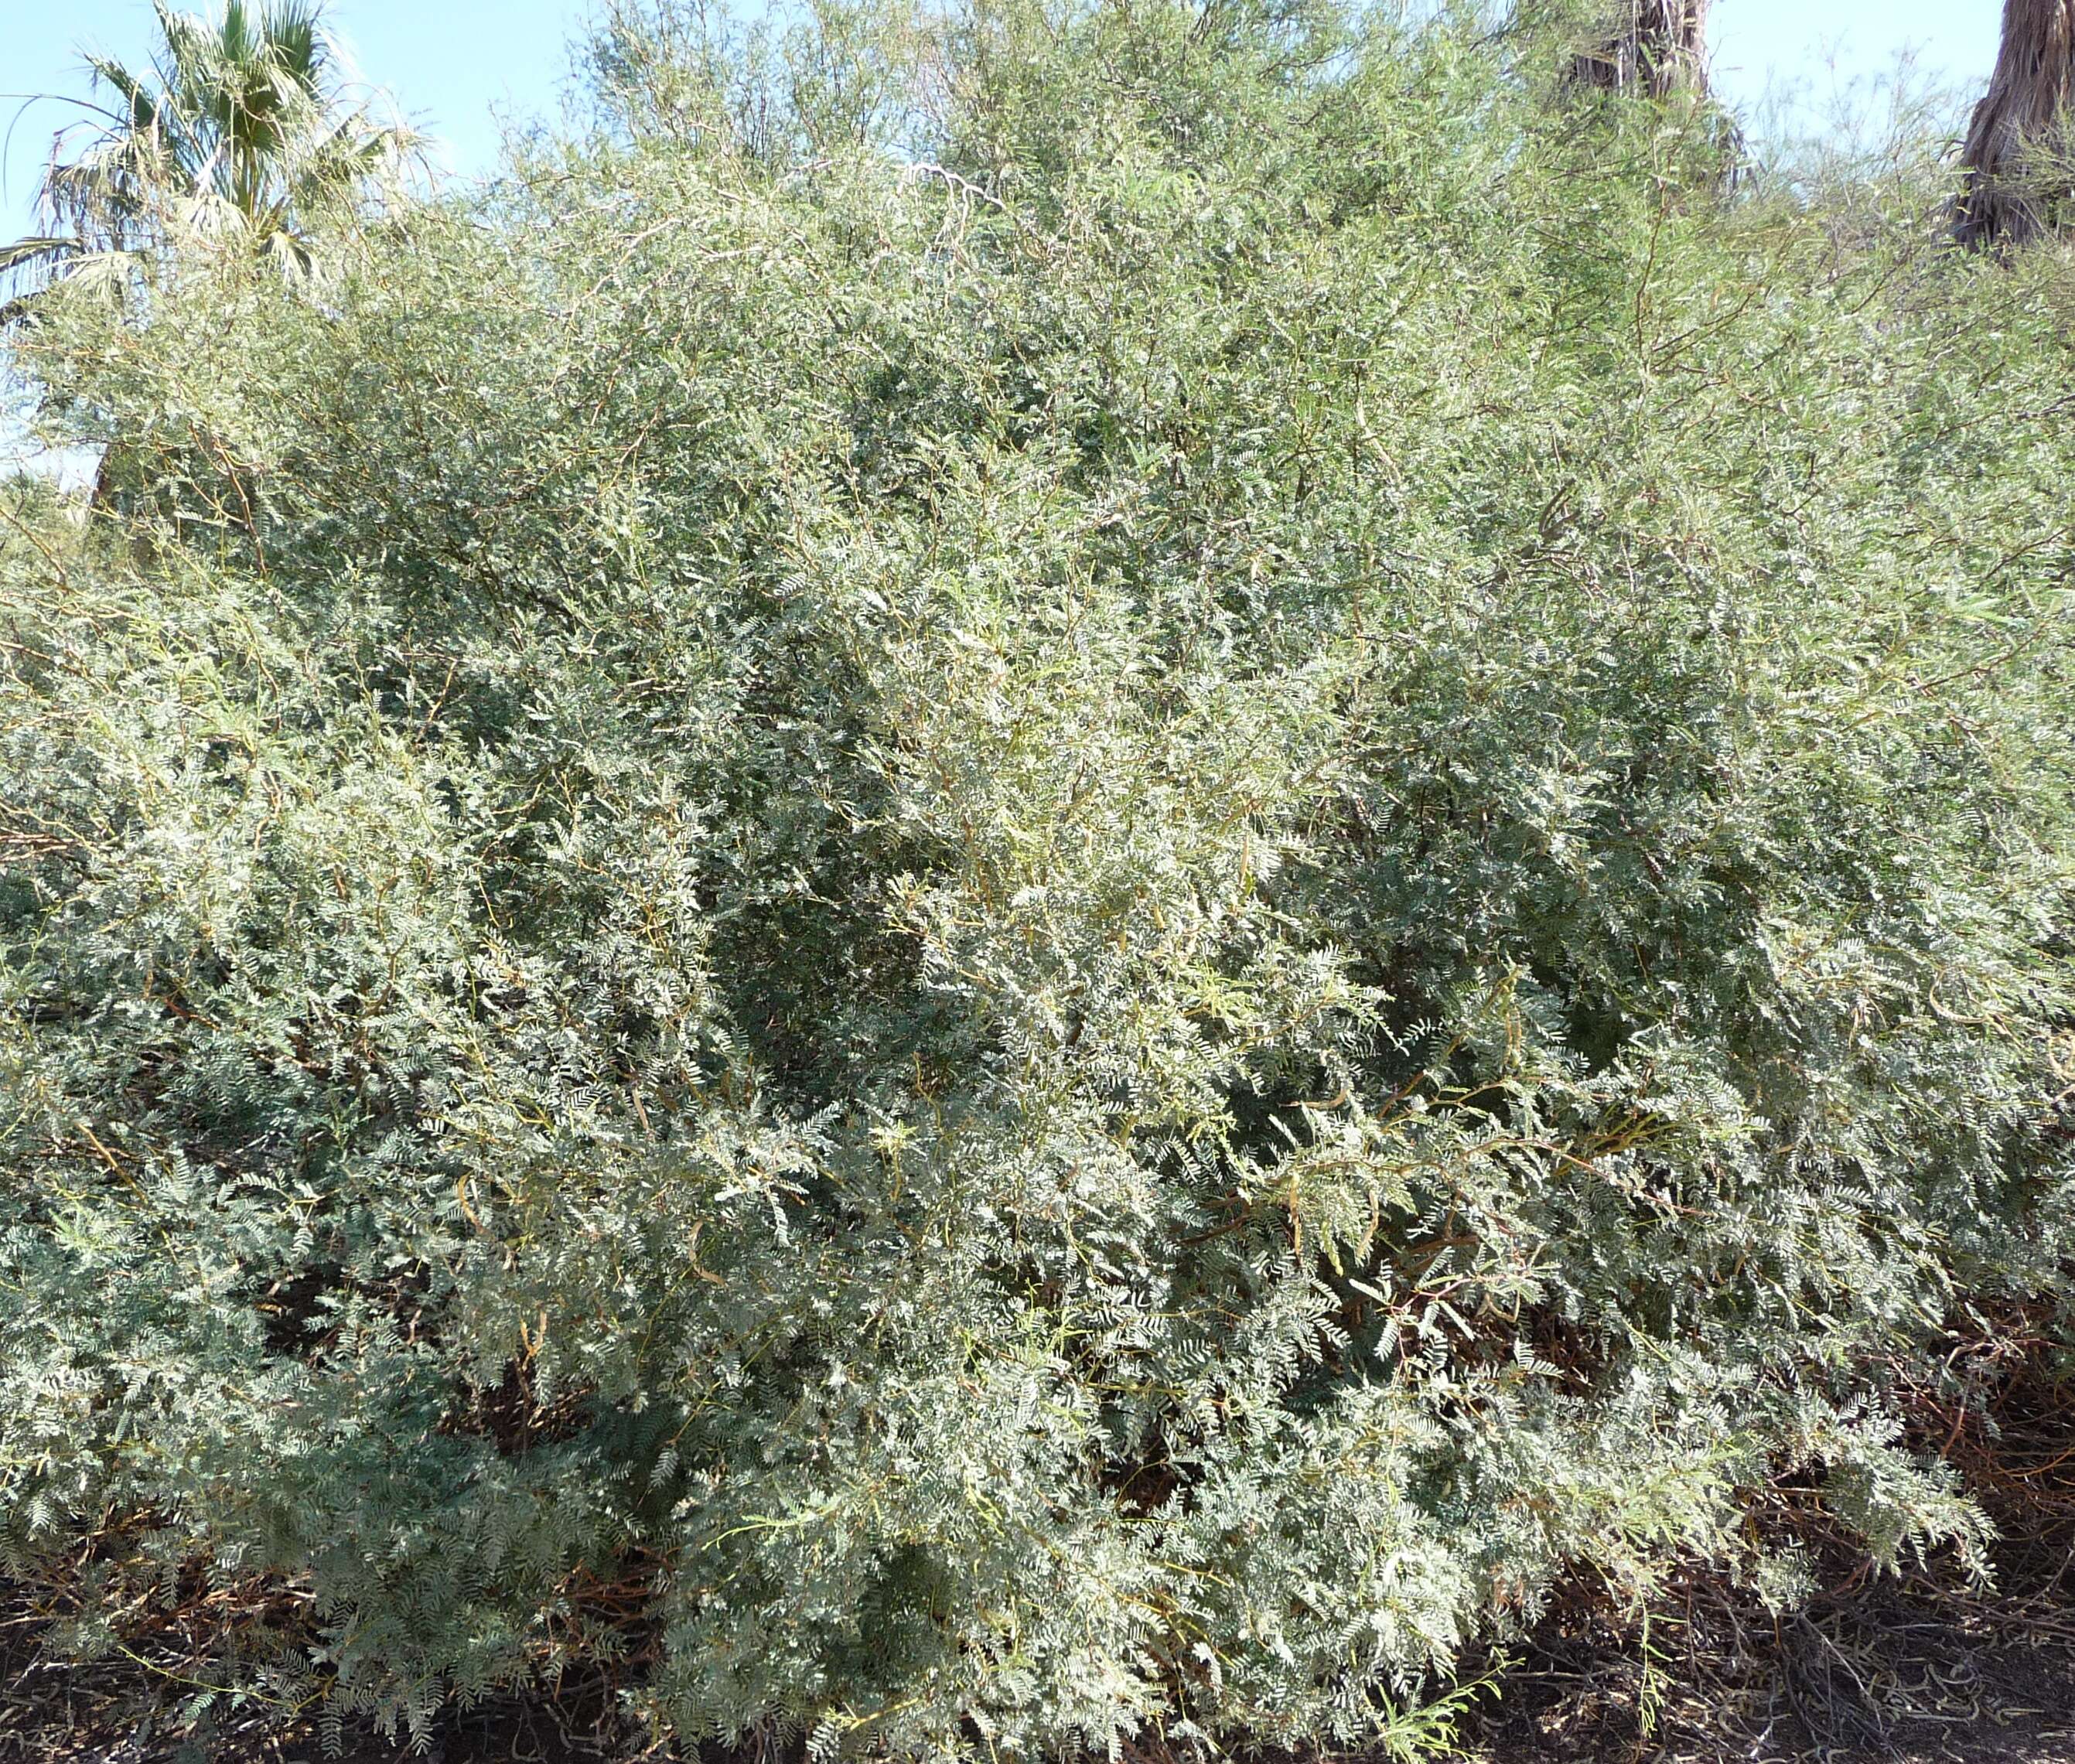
column 2017, row 135
column 1660, row 47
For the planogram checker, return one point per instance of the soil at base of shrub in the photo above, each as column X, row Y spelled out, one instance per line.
column 1898, row 1675
column 1895, row 1672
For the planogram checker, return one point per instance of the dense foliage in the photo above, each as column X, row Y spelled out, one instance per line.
column 1019, row 878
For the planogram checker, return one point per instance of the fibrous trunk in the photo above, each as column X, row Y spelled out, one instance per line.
column 1656, row 47
column 2017, row 141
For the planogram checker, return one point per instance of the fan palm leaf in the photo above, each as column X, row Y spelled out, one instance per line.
column 239, row 127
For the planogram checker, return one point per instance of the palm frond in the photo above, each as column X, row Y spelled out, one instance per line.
column 296, row 38
column 34, row 249
column 234, row 129
column 141, row 103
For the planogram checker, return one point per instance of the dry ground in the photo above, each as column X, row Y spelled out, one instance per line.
column 1907, row 1673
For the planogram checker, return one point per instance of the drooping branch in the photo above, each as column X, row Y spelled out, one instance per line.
column 1660, row 47
column 2017, row 141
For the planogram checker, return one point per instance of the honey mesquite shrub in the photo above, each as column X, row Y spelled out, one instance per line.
column 1078, row 900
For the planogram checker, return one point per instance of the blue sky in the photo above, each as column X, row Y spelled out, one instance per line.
column 1807, row 48
column 456, row 67
column 452, row 66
